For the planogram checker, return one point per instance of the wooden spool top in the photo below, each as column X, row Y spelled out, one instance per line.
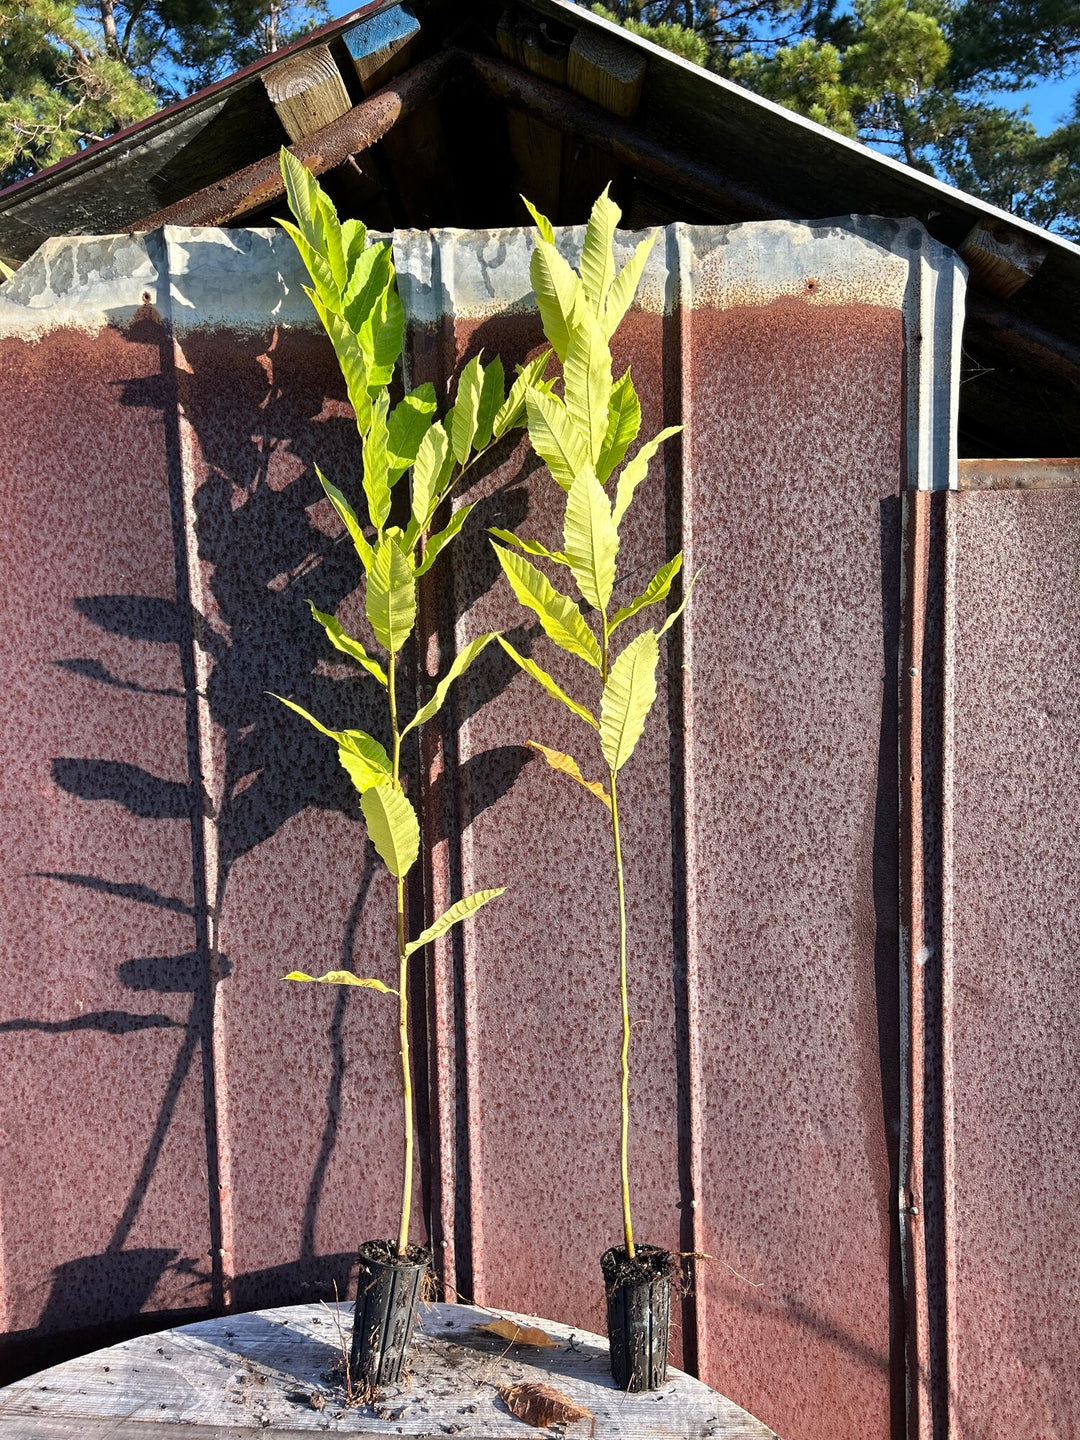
column 265, row 1374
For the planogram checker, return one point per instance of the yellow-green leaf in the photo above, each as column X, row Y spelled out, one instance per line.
column 409, row 422
column 597, row 259
column 625, row 286
column 430, row 460
column 543, row 224
column 466, row 409
column 627, row 699
column 347, row 516
column 559, row 295
column 375, row 462
column 530, row 547
column 636, row 470
column 658, row 588
column 449, row 918
column 512, row 411
column 461, row 662
column 624, row 422
column 317, row 266
column 491, row 399
column 347, row 645
column 557, row 613
column 391, row 594
column 353, row 241
column 361, row 754
column 543, row 678
column 679, row 608
column 366, row 765
column 382, row 336
column 555, row 438
column 438, row 542
column 351, row 359
column 590, row 540
column 392, row 827
column 567, row 765
column 341, row 977
column 587, row 383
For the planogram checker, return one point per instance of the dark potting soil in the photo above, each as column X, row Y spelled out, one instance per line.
column 650, row 1263
column 384, row 1252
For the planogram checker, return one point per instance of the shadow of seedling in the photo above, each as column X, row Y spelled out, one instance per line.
column 261, row 408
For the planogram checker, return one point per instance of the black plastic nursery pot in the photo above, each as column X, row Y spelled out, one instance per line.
column 387, row 1294
column 639, row 1314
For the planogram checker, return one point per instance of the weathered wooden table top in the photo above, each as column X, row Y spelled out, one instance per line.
column 276, row 1373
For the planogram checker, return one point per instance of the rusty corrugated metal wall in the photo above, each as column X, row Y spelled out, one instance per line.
column 182, row 1129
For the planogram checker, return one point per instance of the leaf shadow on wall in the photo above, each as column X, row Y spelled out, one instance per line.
column 260, row 416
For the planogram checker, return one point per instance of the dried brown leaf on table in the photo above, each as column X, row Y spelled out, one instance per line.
column 541, row 1405
column 517, row 1334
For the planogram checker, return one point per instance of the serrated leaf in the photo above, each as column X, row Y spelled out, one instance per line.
column 624, row 287
column 361, row 769
column 543, row 224
column 347, row 645
column 559, row 616
column 530, row 547
column 587, row 383
column 438, row 542
column 375, row 462
column 624, row 422
column 351, row 359
column 347, row 515
column 658, row 588
column 328, row 237
column 382, row 337
column 353, row 241
column 543, row 678
column 369, row 763
column 341, row 977
column 466, row 409
column 409, row 422
column 370, row 278
column 301, row 190
column 512, row 411
column 559, row 295
column 317, row 266
column 636, row 470
column 567, row 765
column 491, row 399
column 597, row 260
column 627, row 699
column 430, row 460
column 392, row 827
column 391, row 594
column 462, row 910
column 679, row 608
column 560, row 444
column 461, row 662
column 590, row 540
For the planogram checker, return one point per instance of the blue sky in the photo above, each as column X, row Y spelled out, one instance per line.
column 1047, row 102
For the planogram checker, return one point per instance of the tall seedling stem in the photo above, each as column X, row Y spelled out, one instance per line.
column 354, row 291
column 583, row 436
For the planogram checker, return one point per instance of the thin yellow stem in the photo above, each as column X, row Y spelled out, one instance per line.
column 624, row 1053
column 624, row 996
column 403, row 993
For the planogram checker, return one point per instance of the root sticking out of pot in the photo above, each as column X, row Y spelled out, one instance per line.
column 387, row 1294
column 639, row 1314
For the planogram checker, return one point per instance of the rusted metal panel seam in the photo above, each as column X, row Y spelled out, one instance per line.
column 680, row 267
column 183, row 447
column 913, row 960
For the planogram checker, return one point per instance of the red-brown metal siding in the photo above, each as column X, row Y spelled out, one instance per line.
column 1012, row 935
column 761, row 814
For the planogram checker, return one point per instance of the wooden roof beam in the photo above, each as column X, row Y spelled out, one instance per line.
column 234, row 196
